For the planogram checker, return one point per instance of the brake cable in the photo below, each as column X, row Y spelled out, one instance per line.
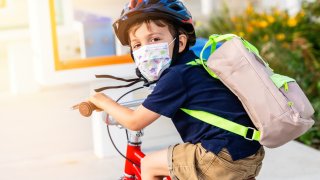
column 132, row 82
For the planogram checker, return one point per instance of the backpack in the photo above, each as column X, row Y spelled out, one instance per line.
column 275, row 103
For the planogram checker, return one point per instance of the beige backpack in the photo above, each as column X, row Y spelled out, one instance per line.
column 275, row 103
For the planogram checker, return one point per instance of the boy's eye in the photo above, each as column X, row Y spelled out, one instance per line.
column 135, row 46
column 155, row 39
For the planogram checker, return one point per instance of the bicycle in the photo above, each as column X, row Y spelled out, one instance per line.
column 132, row 170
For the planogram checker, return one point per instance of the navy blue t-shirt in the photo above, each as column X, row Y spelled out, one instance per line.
column 191, row 87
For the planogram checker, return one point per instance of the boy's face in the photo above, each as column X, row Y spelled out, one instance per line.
column 150, row 33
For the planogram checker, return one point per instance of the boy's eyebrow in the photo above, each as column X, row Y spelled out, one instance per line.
column 148, row 36
column 155, row 33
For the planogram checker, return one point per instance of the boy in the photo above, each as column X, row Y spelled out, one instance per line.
column 159, row 33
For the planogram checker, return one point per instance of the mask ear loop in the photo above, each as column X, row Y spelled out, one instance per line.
column 172, row 41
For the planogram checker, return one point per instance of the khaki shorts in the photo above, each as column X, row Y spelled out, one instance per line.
column 191, row 161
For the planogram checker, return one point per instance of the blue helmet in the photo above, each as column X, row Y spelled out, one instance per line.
column 171, row 10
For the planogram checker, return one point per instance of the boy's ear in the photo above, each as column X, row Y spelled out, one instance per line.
column 182, row 42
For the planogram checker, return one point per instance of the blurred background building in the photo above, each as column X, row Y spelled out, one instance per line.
column 84, row 30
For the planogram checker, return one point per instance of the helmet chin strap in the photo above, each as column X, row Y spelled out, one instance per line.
column 175, row 52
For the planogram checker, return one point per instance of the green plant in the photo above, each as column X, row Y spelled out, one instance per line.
column 291, row 45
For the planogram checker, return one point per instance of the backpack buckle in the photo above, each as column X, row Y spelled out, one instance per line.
column 249, row 134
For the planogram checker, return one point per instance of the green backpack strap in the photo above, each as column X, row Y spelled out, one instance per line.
column 194, row 62
column 224, row 124
column 215, row 38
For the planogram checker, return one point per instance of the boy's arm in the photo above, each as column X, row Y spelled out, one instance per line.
column 131, row 119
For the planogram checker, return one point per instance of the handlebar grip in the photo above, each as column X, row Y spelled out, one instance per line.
column 86, row 108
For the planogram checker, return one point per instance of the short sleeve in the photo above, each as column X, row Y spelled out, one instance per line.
column 168, row 95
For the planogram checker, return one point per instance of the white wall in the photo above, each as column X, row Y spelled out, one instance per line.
column 9, row 16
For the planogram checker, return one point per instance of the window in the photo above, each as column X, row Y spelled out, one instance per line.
column 82, row 35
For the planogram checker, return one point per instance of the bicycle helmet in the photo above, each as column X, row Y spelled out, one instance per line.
column 171, row 10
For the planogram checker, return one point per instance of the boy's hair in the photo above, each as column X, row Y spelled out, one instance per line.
column 174, row 31
column 169, row 11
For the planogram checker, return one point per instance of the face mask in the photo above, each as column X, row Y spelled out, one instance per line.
column 152, row 60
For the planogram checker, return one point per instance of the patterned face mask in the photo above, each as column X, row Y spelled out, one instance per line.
column 152, row 60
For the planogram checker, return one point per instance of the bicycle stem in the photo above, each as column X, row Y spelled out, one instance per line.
column 134, row 137
column 132, row 167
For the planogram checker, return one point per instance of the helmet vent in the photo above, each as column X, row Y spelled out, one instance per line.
column 176, row 7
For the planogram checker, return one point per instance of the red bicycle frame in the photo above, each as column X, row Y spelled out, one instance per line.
column 134, row 155
column 132, row 170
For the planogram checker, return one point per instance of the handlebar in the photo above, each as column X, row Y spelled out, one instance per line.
column 86, row 108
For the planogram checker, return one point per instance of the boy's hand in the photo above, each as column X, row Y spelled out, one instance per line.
column 131, row 119
column 100, row 100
